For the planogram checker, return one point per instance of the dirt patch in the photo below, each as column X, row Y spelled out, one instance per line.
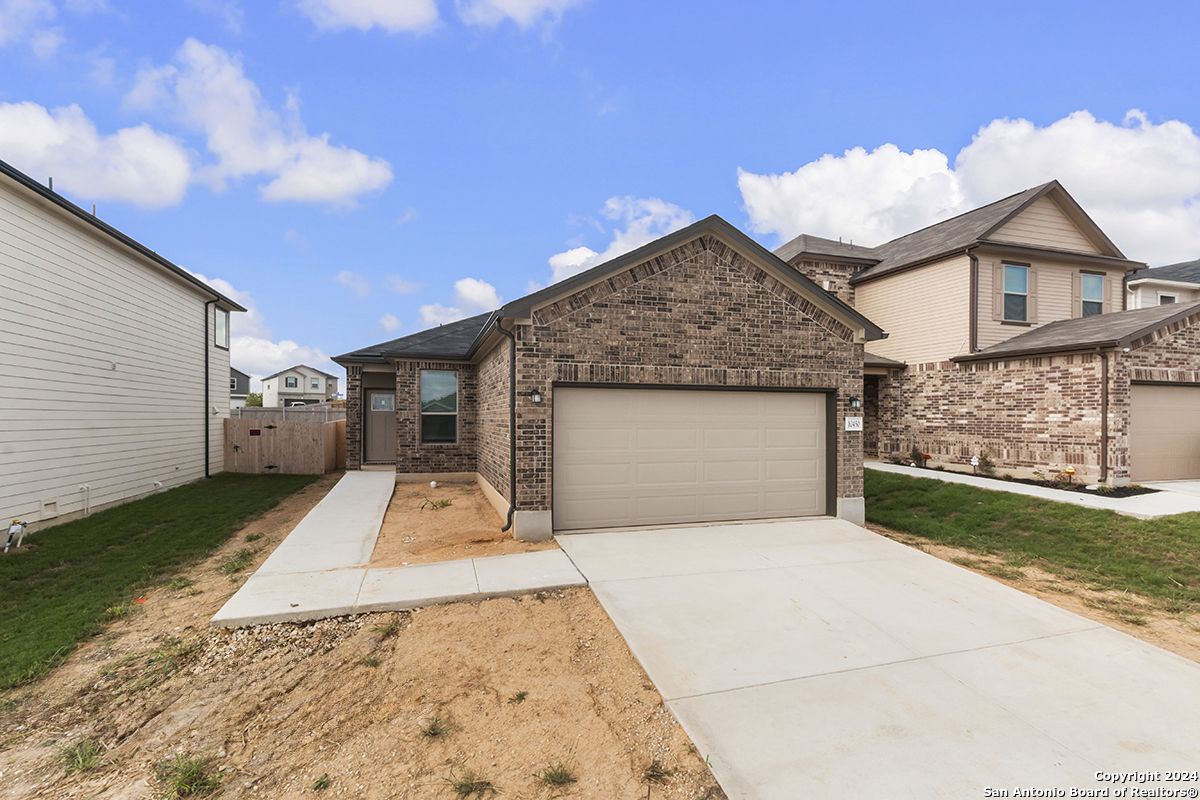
column 517, row 686
column 1177, row 630
column 420, row 527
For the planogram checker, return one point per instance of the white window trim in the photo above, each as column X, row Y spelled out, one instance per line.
column 1173, row 295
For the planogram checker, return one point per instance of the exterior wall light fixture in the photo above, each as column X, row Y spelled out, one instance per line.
column 855, row 403
column 535, row 396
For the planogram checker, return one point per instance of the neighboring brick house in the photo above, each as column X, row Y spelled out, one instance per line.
column 1009, row 324
column 698, row 378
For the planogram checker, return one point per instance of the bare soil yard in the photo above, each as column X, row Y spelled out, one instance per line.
column 1174, row 630
column 421, row 527
column 382, row 706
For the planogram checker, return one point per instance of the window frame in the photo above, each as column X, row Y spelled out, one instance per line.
column 290, row 383
column 233, row 384
column 1173, row 295
column 422, row 413
column 1083, row 301
column 220, row 331
column 314, row 384
column 1004, row 267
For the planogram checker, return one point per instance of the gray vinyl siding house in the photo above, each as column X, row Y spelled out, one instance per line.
column 114, row 365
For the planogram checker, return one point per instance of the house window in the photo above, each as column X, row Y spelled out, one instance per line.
column 233, row 383
column 221, row 328
column 329, row 383
column 439, row 407
column 1016, row 293
column 289, row 383
column 1092, row 291
column 316, row 383
column 1167, row 299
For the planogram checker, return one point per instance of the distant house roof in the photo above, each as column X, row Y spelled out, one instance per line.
column 945, row 238
column 29, row 183
column 299, row 366
column 1118, row 329
column 1183, row 272
column 458, row 341
column 239, row 373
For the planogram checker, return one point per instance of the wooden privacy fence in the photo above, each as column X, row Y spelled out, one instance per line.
column 284, row 448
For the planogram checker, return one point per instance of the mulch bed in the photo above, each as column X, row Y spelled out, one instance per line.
column 1121, row 491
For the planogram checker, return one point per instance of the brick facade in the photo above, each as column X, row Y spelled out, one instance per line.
column 837, row 275
column 493, row 418
column 354, row 416
column 411, row 455
column 699, row 315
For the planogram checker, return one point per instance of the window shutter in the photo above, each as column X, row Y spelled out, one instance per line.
column 997, row 291
column 1076, row 294
column 1108, row 292
column 1032, row 315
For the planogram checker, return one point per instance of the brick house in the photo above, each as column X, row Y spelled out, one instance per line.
column 698, row 378
column 1008, row 333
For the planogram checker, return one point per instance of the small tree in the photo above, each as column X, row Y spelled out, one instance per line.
column 254, row 400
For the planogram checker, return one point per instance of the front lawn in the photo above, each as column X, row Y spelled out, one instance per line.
column 1158, row 559
column 61, row 589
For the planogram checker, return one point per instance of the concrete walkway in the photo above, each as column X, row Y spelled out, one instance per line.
column 1173, row 497
column 816, row 659
column 320, row 569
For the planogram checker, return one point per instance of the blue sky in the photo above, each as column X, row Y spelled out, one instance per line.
column 357, row 170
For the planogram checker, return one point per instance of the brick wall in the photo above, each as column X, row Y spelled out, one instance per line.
column 411, row 454
column 492, row 416
column 354, row 417
column 837, row 274
column 700, row 315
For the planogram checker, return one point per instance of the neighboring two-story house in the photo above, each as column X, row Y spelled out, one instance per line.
column 298, row 385
column 1174, row 283
column 1008, row 335
column 114, row 362
column 239, row 388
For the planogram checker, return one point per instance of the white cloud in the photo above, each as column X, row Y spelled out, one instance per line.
column 471, row 296
column 476, row 295
column 229, row 11
column 45, row 43
column 391, row 323
column 352, row 280
column 646, row 219
column 401, row 286
column 525, row 13
column 1138, row 180
column 391, row 15
column 136, row 165
column 208, row 89
column 409, row 215
column 21, row 17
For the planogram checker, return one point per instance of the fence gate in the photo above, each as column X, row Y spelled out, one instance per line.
column 282, row 448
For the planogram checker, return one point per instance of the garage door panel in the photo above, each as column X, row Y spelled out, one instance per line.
column 690, row 456
column 1164, row 432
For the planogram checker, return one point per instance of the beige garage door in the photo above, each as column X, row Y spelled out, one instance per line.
column 1164, row 433
column 653, row 456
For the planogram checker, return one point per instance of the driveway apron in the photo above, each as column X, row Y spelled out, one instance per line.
column 813, row 658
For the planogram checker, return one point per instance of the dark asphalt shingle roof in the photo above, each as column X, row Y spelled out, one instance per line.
column 453, row 341
column 817, row 246
column 1117, row 329
column 1184, row 272
column 872, row 360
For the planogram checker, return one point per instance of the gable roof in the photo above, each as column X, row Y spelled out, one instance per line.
column 1117, row 329
column 239, row 372
column 954, row 235
column 299, row 366
column 458, row 341
column 1184, row 272
column 29, row 183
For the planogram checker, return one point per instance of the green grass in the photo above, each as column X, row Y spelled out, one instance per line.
column 559, row 774
column 59, row 592
column 188, row 776
column 84, row 755
column 1158, row 559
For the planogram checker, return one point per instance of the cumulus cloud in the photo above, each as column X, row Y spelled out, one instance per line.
column 208, row 89
column 401, row 286
column 1138, row 180
column 24, row 20
column 525, row 13
column 354, row 281
column 645, row 220
column 471, row 296
column 136, row 165
column 391, row 323
column 251, row 347
column 393, row 16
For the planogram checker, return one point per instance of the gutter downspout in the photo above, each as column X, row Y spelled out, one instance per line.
column 512, row 424
column 974, row 292
column 206, row 389
column 1103, row 415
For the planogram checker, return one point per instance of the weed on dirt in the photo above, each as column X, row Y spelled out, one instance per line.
column 188, row 776
column 84, row 755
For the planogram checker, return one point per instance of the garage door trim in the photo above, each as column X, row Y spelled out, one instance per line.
column 831, row 419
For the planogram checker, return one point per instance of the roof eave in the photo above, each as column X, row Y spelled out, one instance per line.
column 1077, row 347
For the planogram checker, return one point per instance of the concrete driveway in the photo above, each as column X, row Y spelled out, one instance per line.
column 817, row 659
